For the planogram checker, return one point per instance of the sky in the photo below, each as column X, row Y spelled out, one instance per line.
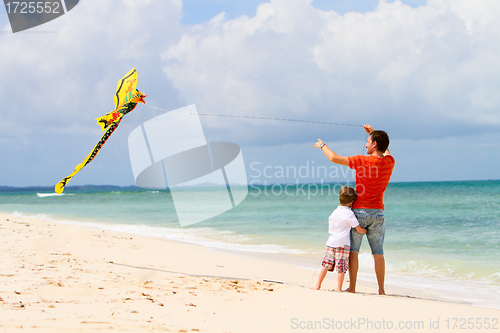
column 427, row 72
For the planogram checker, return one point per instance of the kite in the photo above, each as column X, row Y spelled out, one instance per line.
column 126, row 99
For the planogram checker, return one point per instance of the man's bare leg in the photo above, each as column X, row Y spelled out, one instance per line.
column 353, row 271
column 380, row 272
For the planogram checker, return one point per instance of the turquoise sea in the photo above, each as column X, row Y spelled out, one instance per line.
column 441, row 237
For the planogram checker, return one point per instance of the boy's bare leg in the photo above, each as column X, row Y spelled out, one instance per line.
column 380, row 272
column 340, row 281
column 321, row 277
column 353, row 271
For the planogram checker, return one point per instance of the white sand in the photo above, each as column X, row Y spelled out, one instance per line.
column 56, row 278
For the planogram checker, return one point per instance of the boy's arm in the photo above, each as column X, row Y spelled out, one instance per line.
column 361, row 230
column 332, row 156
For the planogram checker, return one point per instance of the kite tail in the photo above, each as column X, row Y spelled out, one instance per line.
column 60, row 186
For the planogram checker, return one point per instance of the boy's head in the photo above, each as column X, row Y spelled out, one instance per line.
column 347, row 195
column 382, row 140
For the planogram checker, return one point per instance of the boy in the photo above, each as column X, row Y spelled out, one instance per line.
column 338, row 245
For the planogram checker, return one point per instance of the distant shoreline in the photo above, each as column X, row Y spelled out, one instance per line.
column 136, row 188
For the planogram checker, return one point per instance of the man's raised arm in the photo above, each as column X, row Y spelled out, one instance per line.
column 332, row 156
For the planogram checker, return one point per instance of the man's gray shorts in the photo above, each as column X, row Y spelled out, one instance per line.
column 373, row 220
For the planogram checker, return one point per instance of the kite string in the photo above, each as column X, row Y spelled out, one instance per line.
column 262, row 118
column 265, row 118
column 281, row 119
column 154, row 107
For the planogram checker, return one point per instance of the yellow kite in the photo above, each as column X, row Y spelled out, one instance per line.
column 126, row 98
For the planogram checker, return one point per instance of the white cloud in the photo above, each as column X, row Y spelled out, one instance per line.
column 62, row 78
column 55, row 84
column 396, row 65
column 417, row 72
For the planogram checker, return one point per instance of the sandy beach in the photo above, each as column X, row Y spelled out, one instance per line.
column 57, row 277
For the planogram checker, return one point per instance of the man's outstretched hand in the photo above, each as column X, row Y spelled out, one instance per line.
column 368, row 128
column 317, row 144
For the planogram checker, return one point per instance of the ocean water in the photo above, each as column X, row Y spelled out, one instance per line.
column 441, row 237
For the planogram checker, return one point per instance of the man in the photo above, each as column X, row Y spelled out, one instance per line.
column 372, row 176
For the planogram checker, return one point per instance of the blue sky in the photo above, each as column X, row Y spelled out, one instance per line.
column 427, row 72
column 198, row 11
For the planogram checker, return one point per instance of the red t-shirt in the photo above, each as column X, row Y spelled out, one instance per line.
column 372, row 176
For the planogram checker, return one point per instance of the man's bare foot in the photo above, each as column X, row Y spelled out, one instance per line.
column 381, row 292
column 349, row 290
column 315, row 288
